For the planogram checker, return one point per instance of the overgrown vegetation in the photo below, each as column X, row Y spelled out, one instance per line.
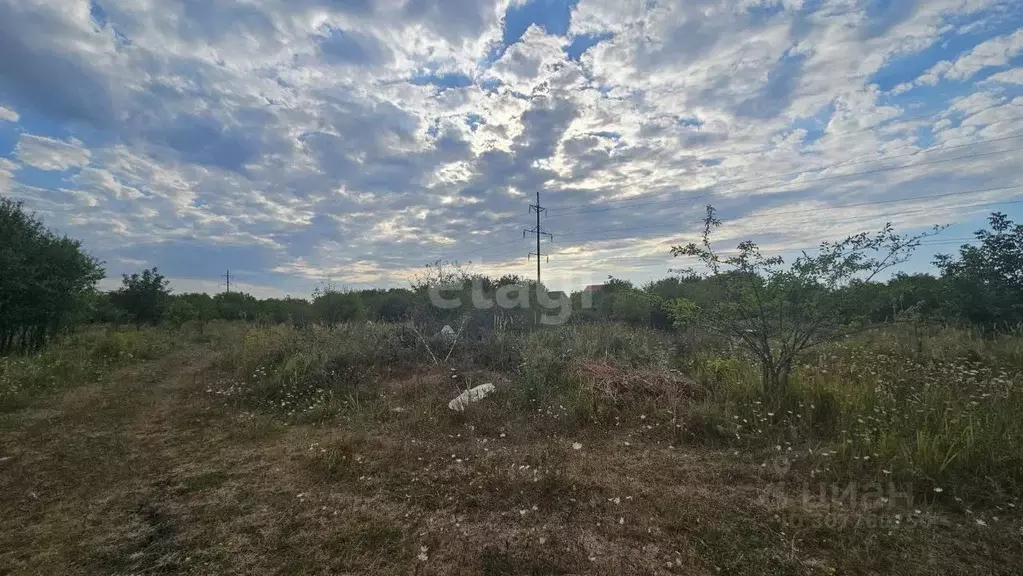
column 667, row 417
column 44, row 281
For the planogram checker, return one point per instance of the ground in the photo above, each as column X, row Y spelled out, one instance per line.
column 154, row 469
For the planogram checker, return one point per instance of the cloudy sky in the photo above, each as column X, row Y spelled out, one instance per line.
column 295, row 140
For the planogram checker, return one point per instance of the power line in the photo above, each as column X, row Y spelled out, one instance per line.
column 796, row 173
column 487, row 251
column 540, row 232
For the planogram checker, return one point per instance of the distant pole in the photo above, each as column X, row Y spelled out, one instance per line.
column 538, row 210
column 228, row 278
column 539, row 232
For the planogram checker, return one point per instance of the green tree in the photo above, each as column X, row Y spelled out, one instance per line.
column 180, row 311
column 143, row 297
column 236, row 306
column 203, row 309
column 682, row 312
column 46, row 280
column 777, row 312
column 634, row 307
column 984, row 284
column 334, row 306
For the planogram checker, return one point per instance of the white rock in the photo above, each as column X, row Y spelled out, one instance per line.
column 472, row 395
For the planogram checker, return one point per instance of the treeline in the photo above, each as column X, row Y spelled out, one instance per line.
column 47, row 286
column 139, row 302
column 45, row 280
column 982, row 287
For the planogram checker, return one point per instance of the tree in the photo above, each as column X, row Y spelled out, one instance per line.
column 634, row 307
column 776, row 312
column 682, row 312
column 179, row 311
column 201, row 307
column 236, row 306
column 143, row 297
column 45, row 280
column 334, row 306
column 984, row 285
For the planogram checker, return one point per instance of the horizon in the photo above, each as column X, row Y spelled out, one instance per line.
column 292, row 143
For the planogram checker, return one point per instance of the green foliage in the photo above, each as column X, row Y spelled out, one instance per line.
column 199, row 308
column 143, row 297
column 777, row 312
column 45, row 280
column 236, row 306
column 180, row 311
column 292, row 311
column 77, row 359
column 682, row 311
column 634, row 307
column 334, row 306
column 302, row 373
column 942, row 414
column 984, row 284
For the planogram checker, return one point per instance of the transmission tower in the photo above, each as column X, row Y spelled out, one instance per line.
column 539, row 232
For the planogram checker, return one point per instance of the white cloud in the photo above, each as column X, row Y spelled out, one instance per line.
column 994, row 52
column 8, row 115
column 1014, row 76
column 7, row 169
column 50, row 153
column 361, row 139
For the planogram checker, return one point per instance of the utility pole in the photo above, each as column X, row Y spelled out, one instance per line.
column 228, row 278
column 539, row 232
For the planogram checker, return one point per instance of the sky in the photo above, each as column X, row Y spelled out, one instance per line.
column 293, row 141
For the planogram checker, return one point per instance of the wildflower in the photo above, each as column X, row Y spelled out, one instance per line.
column 939, row 489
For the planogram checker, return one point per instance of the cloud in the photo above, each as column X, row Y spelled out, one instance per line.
column 8, row 115
column 994, row 52
column 1014, row 76
column 360, row 139
column 51, row 154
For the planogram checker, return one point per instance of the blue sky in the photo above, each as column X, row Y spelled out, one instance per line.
column 357, row 140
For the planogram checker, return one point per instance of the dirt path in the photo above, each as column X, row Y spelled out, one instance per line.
column 148, row 473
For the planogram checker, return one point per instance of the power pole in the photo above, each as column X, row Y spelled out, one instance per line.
column 228, row 278
column 539, row 232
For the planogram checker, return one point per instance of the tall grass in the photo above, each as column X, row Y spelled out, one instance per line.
column 82, row 357
column 943, row 412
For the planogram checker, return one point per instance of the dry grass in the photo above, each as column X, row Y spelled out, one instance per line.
column 157, row 470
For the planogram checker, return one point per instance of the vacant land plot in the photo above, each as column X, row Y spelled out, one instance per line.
column 247, row 450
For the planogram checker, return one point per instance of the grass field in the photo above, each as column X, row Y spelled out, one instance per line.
column 605, row 450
